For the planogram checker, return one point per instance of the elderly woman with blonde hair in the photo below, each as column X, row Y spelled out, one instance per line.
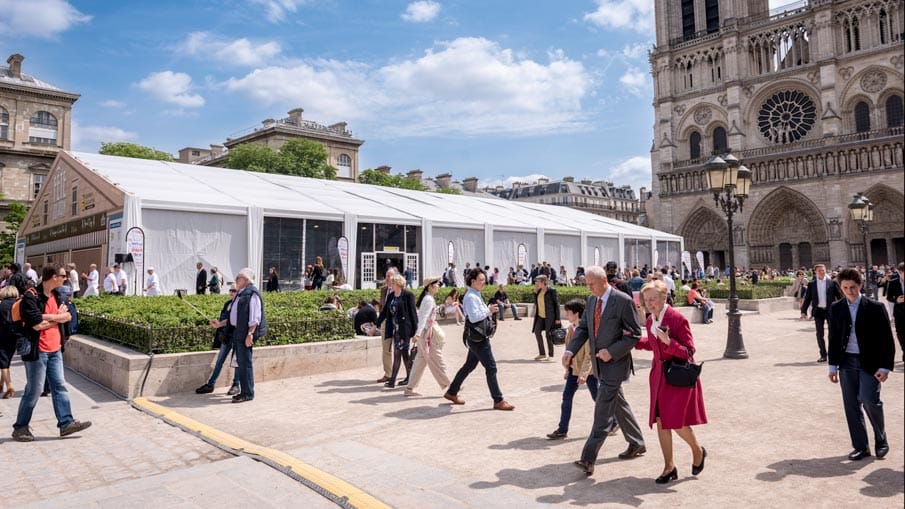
column 671, row 407
column 401, row 317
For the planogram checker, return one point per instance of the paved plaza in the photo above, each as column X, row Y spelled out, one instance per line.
column 776, row 436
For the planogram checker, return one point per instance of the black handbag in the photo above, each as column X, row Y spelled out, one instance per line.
column 558, row 335
column 682, row 373
column 477, row 332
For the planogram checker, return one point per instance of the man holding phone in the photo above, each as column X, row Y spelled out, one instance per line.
column 861, row 355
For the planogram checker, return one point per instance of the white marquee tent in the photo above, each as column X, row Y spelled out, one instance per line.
column 217, row 216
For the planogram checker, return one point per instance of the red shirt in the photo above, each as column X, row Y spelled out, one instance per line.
column 50, row 340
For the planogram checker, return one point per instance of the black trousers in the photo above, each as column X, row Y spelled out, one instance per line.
column 898, row 317
column 820, row 316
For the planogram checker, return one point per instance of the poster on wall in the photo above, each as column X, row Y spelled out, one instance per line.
column 522, row 255
column 20, row 252
column 700, row 257
column 135, row 245
column 342, row 245
column 115, row 237
column 597, row 256
column 686, row 261
column 451, row 253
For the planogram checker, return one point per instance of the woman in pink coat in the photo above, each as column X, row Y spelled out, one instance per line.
column 673, row 408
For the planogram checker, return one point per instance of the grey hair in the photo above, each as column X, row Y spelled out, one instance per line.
column 248, row 274
column 595, row 271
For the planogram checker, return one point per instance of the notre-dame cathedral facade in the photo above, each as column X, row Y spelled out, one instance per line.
column 809, row 97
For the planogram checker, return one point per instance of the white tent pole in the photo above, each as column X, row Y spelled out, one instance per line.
column 488, row 246
column 540, row 246
column 621, row 251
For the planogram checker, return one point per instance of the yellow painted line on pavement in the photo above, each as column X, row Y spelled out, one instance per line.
column 335, row 486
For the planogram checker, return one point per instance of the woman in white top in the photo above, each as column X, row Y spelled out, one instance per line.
column 429, row 340
column 152, row 283
column 73, row 279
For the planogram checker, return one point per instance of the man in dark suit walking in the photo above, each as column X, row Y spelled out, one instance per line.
column 546, row 316
column 895, row 293
column 200, row 279
column 610, row 323
column 822, row 292
column 862, row 354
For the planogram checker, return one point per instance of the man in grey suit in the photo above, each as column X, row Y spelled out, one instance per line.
column 609, row 321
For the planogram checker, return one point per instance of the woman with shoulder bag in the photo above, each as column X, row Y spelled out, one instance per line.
column 401, row 318
column 672, row 407
column 429, row 339
column 11, row 336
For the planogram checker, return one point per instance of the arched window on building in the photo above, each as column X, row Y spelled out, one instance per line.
column 344, row 166
column 694, row 145
column 42, row 128
column 884, row 26
column 4, row 124
column 862, row 117
column 712, row 11
column 720, row 145
column 894, row 113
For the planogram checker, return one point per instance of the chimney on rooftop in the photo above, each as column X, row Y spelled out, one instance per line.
column 443, row 180
column 543, row 181
column 15, row 65
column 295, row 116
column 384, row 169
column 499, row 188
column 568, row 179
column 415, row 174
column 470, row 184
column 216, row 151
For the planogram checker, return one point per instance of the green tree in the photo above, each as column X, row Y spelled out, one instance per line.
column 449, row 190
column 379, row 178
column 13, row 220
column 125, row 149
column 303, row 158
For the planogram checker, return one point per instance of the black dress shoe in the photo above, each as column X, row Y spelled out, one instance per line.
column 241, row 398
column 389, row 383
column 633, row 451
column 882, row 450
column 404, row 381
column 587, row 467
column 556, row 435
column 697, row 469
column 822, row 358
column 859, row 454
column 671, row 476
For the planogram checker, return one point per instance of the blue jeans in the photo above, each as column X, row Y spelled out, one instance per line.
column 246, row 369
column 48, row 366
column 568, row 393
column 861, row 390
column 478, row 352
column 502, row 311
column 225, row 348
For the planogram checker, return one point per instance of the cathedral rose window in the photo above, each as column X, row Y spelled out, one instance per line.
column 786, row 117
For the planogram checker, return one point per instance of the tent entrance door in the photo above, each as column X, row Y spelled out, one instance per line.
column 368, row 270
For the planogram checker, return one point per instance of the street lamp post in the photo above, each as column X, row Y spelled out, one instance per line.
column 862, row 211
column 730, row 182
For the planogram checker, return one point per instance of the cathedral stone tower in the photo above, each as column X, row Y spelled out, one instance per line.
column 810, row 98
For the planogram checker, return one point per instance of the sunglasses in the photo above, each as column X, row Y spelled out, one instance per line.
column 232, row 291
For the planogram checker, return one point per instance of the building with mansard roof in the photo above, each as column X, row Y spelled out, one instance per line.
column 599, row 197
column 809, row 97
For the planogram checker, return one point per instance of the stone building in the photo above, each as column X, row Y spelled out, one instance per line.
column 342, row 148
column 599, row 197
column 35, row 124
column 809, row 97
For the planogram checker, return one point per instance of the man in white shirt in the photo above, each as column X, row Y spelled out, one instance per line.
column 110, row 284
column 121, row 280
column 30, row 273
column 822, row 293
column 92, row 278
column 152, row 283
column 670, row 284
column 73, row 280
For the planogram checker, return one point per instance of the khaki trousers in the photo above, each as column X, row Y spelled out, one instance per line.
column 432, row 358
column 387, row 345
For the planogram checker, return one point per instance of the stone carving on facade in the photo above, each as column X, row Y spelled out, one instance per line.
column 723, row 100
column 738, row 235
column 734, row 130
column 814, row 77
column 896, row 60
column 846, row 72
column 873, row 81
column 829, row 112
column 749, row 90
column 679, row 109
column 703, row 115
column 834, row 225
column 666, row 142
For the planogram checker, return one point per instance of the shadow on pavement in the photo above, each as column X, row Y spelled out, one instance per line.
column 552, row 388
column 371, row 387
column 884, row 483
column 804, row 364
column 430, row 412
column 523, row 361
column 346, row 383
column 389, row 397
column 533, row 444
column 186, row 400
column 834, row 466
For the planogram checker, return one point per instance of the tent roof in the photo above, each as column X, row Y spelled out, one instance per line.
column 162, row 184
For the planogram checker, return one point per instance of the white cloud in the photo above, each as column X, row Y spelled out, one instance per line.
column 171, row 87
column 88, row 138
column 277, row 11
column 234, row 52
column 38, row 18
column 113, row 103
column 637, row 15
column 634, row 171
column 508, row 181
column 421, row 11
column 633, row 80
column 466, row 86
column 635, row 51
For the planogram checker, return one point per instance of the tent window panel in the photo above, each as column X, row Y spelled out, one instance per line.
column 283, row 250
column 320, row 240
column 390, row 235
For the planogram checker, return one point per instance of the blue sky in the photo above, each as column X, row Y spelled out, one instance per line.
column 501, row 90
